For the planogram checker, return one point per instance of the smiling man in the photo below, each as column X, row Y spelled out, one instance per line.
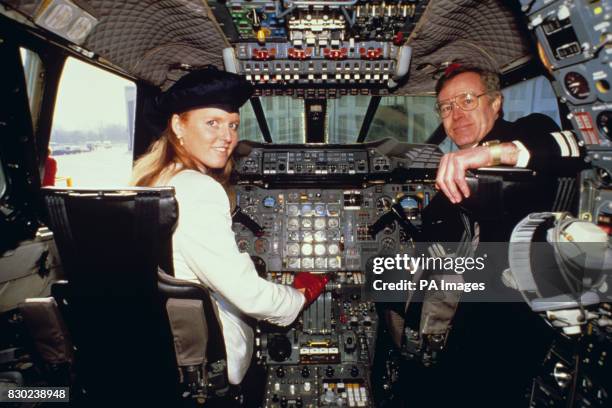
column 469, row 103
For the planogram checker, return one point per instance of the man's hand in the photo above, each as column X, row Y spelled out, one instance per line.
column 451, row 173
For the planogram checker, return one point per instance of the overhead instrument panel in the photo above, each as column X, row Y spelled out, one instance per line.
column 574, row 42
column 327, row 209
column 347, row 44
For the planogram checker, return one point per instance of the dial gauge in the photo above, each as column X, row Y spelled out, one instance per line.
column 319, row 223
column 262, row 246
column 319, row 249
column 333, row 222
column 319, row 210
column 293, row 263
column 320, row 263
column 306, row 249
column 333, row 249
column 383, row 204
column 307, row 263
column 306, row 210
column 604, row 123
column 293, row 224
column 306, row 223
column 577, row 85
column 320, row 236
column 293, row 249
column 333, row 263
column 293, row 210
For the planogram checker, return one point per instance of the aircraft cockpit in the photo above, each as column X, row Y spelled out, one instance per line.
column 337, row 173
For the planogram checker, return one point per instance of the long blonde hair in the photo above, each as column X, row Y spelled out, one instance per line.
column 166, row 157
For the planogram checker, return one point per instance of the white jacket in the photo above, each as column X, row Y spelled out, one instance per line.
column 205, row 250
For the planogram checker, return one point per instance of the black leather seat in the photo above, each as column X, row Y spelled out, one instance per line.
column 111, row 244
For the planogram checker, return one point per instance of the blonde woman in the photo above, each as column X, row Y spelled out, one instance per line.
column 193, row 154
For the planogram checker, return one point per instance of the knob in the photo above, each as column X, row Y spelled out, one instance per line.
column 329, row 397
column 329, row 371
column 275, row 398
column 279, row 348
column 280, row 372
column 305, row 372
column 354, row 371
column 298, row 402
column 283, row 402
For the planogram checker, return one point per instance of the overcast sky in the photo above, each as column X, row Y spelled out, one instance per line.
column 90, row 98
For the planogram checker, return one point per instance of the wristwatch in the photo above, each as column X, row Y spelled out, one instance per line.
column 495, row 149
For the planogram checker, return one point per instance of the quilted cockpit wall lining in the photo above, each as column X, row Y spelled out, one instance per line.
column 147, row 38
column 486, row 33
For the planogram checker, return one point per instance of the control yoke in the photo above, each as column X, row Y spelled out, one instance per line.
column 239, row 216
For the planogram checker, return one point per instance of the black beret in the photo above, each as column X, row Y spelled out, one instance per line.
column 206, row 87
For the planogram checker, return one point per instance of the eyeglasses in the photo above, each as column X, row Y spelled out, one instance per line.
column 466, row 101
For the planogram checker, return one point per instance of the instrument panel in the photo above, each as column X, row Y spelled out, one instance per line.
column 324, row 230
column 309, row 208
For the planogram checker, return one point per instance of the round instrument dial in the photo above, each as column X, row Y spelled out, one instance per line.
column 319, row 210
column 387, row 244
column 307, row 263
column 333, row 210
column 333, row 263
column 320, row 263
column 319, row 223
column 319, row 249
column 306, row 223
column 577, row 85
column 269, row 202
column 307, row 236
column 243, row 245
column 262, row 246
column 293, row 236
column 383, row 204
column 293, row 249
column 293, row 224
column 333, row 249
column 320, row 236
column 306, row 210
column 293, row 210
column 604, row 123
column 333, row 222
column 293, row 263
column 306, row 249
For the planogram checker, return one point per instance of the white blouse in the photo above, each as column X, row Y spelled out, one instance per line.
column 205, row 250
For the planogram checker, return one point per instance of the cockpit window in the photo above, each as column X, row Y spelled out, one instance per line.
column 33, row 70
column 93, row 127
column 344, row 117
column 285, row 118
column 410, row 119
column 249, row 128
column 533, row 96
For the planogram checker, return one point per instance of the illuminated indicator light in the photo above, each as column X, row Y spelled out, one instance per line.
column 598, row 10
column 261, row 35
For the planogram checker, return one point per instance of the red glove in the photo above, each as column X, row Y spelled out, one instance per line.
column 312, row 284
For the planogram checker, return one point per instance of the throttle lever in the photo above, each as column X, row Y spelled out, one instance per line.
column 241, row 217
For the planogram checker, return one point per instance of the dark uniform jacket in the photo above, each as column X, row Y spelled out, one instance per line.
column 494, row 349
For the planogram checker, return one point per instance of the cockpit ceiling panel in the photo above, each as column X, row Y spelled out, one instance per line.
column 155, row 40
